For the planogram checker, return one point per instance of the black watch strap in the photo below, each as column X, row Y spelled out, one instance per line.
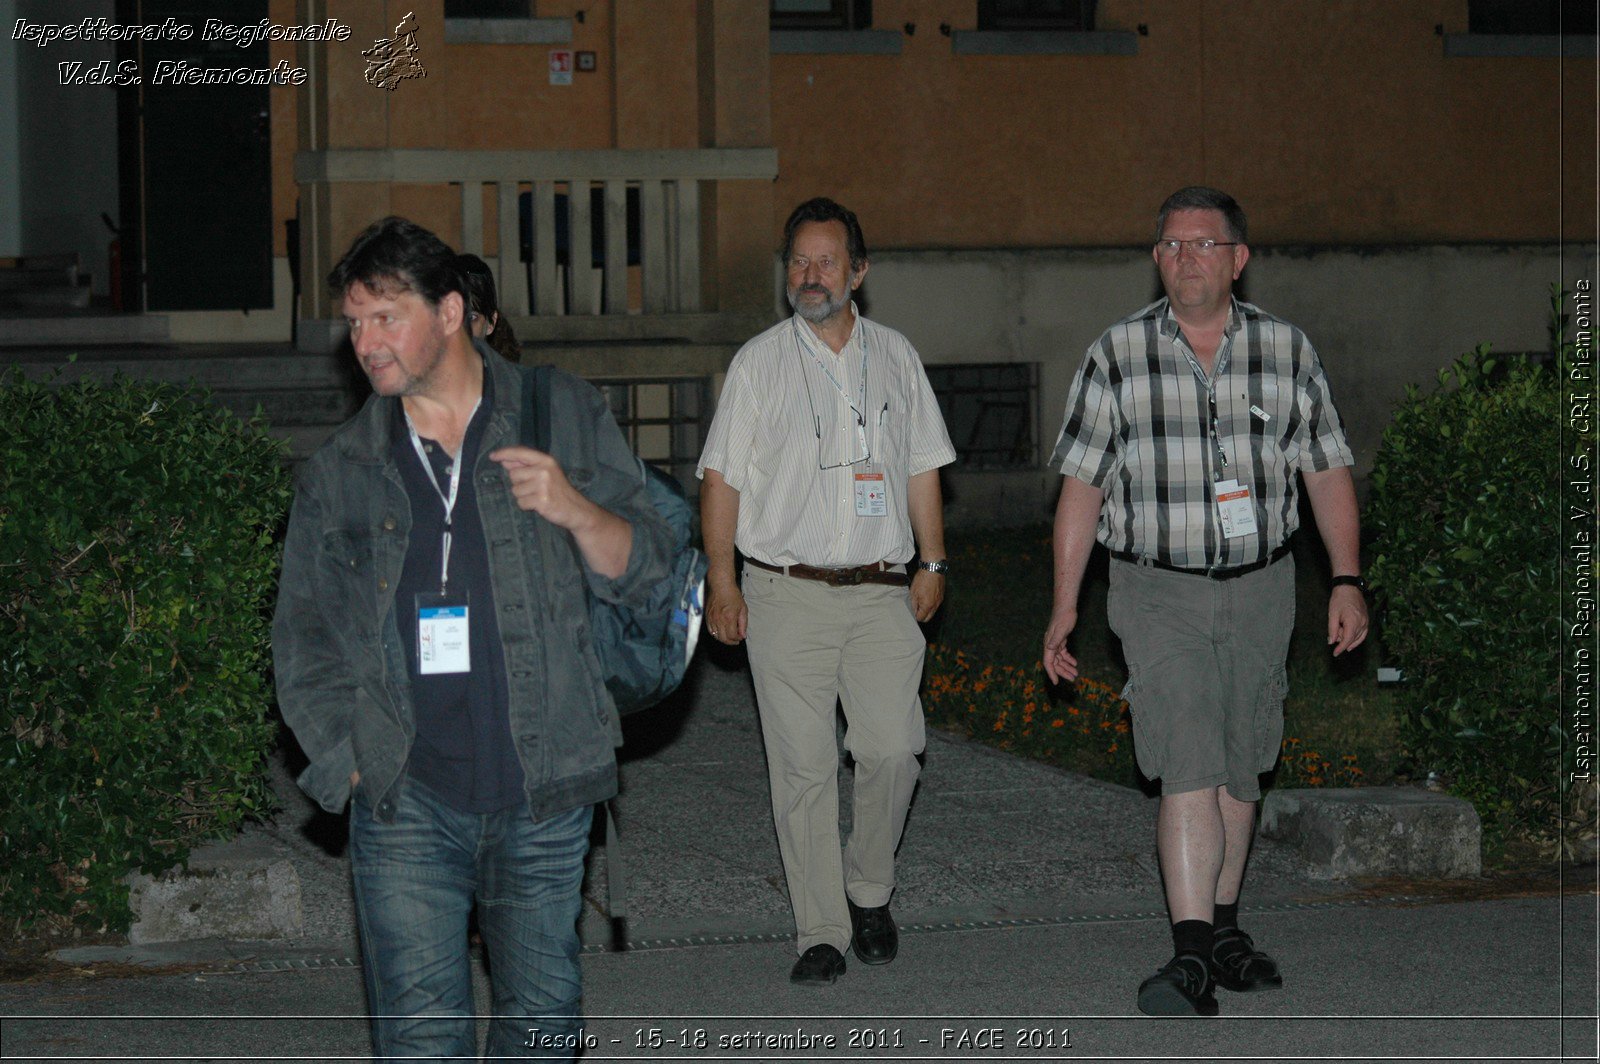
column 1351, row 581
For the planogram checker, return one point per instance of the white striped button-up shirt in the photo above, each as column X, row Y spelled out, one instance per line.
column 1139, row 426
column 788, row 418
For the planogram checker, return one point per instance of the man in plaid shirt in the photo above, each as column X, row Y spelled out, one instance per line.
column 1184, row 435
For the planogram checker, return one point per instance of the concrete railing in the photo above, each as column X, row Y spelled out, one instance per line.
column 666, row 184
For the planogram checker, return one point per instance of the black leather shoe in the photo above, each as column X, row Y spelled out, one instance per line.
column 874, row 938
column 817, row 966
column 1181, row 988
column 1237, row 965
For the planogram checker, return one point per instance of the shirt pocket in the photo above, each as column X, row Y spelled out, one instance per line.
column 889, row 427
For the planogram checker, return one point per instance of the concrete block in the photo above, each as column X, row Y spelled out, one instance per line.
column 239, row 890
column 1376, row 831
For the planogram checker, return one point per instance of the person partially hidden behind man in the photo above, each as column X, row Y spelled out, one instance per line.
column 1184, row 434
column 822, row 463
column 483, row 308
column 432, row 660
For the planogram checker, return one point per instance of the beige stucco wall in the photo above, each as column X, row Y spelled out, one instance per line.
column 1380, row 319
column 1333, row 121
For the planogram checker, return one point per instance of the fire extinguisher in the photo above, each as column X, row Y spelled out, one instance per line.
column 114, row 262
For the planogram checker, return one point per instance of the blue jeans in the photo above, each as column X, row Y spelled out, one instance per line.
column 416, row 879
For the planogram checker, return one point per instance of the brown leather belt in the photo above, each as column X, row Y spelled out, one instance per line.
column 879, row 573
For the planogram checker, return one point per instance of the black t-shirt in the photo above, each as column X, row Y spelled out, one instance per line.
column 463, row 749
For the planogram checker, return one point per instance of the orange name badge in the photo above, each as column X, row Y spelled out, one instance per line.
column 871, row 500
column 1234, row 509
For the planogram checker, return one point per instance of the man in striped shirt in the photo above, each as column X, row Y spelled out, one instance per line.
column 821, row 465
column 1184, row 434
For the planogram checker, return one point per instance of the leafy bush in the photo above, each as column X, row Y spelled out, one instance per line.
column 1465, row 508
column 137, row 554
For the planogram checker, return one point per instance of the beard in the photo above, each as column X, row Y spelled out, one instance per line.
column 817, row 312
column 411, row 376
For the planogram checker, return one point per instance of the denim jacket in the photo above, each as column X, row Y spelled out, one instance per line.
column 341, row 671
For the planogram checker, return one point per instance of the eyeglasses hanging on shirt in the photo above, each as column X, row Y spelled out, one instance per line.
column 857, row 449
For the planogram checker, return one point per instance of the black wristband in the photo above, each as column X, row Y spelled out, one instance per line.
column 1351, row 581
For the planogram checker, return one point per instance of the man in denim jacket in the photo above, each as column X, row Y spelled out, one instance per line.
column 433, row 655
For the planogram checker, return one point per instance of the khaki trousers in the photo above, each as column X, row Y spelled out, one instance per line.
column 811, row 646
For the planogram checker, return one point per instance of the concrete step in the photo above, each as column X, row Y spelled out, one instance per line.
column 1377, row 831
column 304, row 395
column 221, row 369
column 40, row 296
column 285, row 408
column 662, row 359
column 42, row 330
column 303, row 440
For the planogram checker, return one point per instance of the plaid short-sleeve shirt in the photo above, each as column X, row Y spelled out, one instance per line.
column 1139, row 426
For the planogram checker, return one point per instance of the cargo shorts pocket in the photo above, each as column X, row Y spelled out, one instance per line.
column 1150, row 759
column 1269, row 718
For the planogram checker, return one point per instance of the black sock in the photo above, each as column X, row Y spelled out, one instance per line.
column 1225, row 917
column 1192, row 936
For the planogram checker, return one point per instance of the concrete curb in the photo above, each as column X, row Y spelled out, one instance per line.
column 1377, row 831
column 241, row 889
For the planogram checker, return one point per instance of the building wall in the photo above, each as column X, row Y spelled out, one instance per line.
column 66, row 140
column 1333, row 122
column 10, row 153
column 1380, row 319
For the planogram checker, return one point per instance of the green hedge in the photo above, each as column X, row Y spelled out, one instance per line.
column 138, row 556
column 1465, row 509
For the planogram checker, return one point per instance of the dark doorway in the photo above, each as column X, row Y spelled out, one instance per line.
column 195, row 166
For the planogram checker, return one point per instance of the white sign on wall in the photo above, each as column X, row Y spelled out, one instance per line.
column 561, row 66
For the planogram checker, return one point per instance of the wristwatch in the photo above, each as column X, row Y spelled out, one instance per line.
column 942, row 566
column 1351, row 581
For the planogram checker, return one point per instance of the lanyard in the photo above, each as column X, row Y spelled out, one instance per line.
column 860, row 413
column 448, row 500
column 1210, row 386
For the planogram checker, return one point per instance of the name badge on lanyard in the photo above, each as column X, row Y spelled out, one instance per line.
column 1234, row 509
column 443, row 643
column 871, row 500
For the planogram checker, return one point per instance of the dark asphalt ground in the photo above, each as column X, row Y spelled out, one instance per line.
column 1030, row 909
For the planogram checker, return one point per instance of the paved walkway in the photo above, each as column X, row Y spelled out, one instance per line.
column 1030, row 909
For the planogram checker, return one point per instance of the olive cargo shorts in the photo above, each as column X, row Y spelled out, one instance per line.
column 1206, row 672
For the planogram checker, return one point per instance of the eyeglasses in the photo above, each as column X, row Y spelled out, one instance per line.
column 850, row 457
column 861, row 452
column 1169, row 249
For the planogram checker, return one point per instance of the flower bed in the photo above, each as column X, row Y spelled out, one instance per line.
column 1086, row 729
